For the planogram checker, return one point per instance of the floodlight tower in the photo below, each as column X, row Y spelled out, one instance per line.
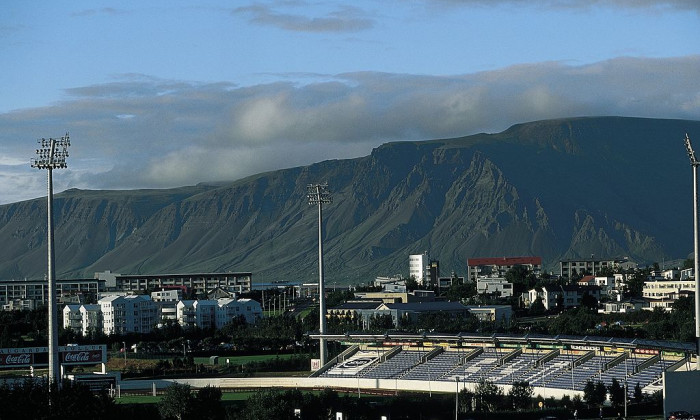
column 52, row 154
column 318, row 194
column 696, row 245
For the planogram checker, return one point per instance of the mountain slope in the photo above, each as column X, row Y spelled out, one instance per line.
column 607, row 186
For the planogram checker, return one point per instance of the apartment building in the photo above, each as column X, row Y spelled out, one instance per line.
column 215, row 314
column 569, row 295
column 498, row 266
column 198, row 282
column 593, row 266
column 125, row 314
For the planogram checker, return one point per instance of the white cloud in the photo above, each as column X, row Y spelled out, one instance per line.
column 143, row 132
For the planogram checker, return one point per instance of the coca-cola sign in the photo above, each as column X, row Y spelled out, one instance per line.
column 81, row 357
column 16, row 359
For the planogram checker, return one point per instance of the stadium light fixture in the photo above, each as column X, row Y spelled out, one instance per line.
column 319, row 195
column 696, row 245
column 52, row 154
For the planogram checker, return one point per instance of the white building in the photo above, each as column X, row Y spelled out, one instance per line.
column 657, row 289
column 570, row 296
column 125, row 314
column 216, row 313
column 494, row 285
column 169, row 295
column 416, row 267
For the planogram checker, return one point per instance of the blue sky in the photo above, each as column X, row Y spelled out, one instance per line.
column 163, row 94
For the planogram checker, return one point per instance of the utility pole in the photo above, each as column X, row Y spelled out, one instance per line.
column 696, row 268
column 318, row 194
column 52, row 154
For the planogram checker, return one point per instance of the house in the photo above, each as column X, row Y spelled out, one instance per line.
column 569, row 296
column 498, row 266
column 208, row 314
column 411, row 311
column 497, row 286
column 623, row 306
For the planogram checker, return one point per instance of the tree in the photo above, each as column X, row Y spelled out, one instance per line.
column 488, row 395
column 589, row 301
column 465, row 400
column 617, row 393
column 537, row 307
column 638, row 393
column 521, row 394
column 208, row 403
column 177, row 402
column 601, row 393
column 589, row 395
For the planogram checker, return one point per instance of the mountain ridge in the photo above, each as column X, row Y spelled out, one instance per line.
column 565, row 188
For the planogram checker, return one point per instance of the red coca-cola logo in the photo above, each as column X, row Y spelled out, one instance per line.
column 18, row 359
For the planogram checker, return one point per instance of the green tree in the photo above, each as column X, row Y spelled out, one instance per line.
column 638, row 395
column 465, row 400
column 488, row 395
column 208, row 403
column 521, row 394
column 177, row 402
column 601, row 393
column 617, row 393
column 537, row 307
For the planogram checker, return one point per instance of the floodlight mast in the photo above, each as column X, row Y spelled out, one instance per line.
column 319, row 194
column 52, row 154
column 696, row 246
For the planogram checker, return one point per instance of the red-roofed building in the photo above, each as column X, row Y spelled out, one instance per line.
column 498, row 266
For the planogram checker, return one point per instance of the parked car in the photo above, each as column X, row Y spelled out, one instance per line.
column 679, row 415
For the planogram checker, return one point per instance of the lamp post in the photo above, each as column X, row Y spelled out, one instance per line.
column 457, row 398
column 52, row 154
column 124, row 347
column 696, row 244
column 318, row 194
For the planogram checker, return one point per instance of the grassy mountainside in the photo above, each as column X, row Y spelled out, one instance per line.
column 607, row 186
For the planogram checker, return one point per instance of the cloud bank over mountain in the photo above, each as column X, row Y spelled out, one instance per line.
column 140, row 131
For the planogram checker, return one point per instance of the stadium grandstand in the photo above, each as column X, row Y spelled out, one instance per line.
column 553, row 365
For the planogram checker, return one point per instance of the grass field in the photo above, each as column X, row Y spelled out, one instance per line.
column 149, row 399
column 241, row 360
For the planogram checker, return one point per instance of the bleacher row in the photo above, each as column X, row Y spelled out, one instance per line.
column 542, row 368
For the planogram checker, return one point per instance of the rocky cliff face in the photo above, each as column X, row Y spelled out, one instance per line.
column 556, row 189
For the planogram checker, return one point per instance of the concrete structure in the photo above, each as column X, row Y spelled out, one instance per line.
column 198, row 282
column 492, row 313
column 667, row 289
column 171, row 295
column 398, row 297
column 128, row 314
column 498, row 266
column 593, row 266
column 569, row 295
column 216, row 314
column 417, row 264
column 496, row 286
column 30, row 294
column 82, row 318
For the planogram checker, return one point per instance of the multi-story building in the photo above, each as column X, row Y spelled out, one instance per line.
column 496, row 286
column 593, row 266
column 82, row 318
column 568, row 295
column 667, row 289
column 417, row 264
column 215, row 314
column 125, row 314
column 198, row 282
column 30, row 294
column 498, row 266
